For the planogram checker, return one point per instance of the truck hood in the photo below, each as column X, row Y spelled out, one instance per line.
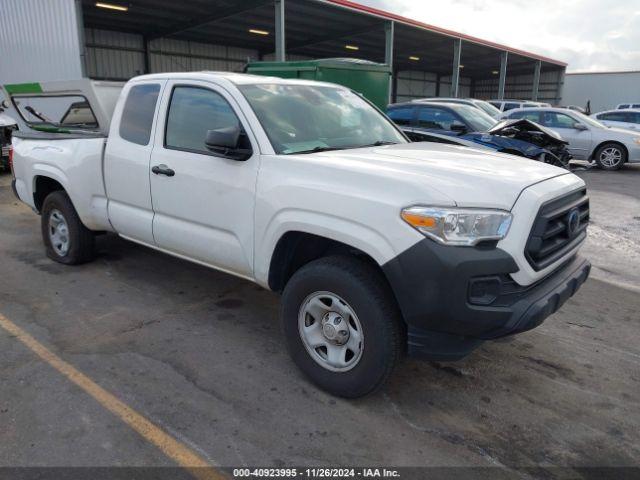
column 466, row 176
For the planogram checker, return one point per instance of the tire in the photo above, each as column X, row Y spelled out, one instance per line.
column 375, row 319
column 610, row 156
column 62, row 227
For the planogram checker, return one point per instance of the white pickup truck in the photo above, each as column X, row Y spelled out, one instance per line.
column 378, row 245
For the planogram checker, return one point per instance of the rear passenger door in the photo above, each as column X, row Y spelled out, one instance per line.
column 204, row 209
column 126, row 160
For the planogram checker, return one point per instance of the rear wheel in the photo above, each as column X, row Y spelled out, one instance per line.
column 610, row 156
column 65, row 238
column 342, row 325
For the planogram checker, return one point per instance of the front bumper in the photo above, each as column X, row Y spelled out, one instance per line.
column 13, row 187
column 455, row 298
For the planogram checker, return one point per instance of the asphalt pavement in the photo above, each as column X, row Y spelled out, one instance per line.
column 199, row 354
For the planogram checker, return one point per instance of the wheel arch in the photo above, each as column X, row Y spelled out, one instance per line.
column 606, row 142
column 43, row 185
column 296, row 248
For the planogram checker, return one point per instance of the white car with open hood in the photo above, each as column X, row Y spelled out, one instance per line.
column 377, row 244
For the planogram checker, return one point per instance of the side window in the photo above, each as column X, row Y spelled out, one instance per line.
column 192, row 112
column 510, row 106
column 532, row 116
column 635, row 105
column 557, row 120
column 614, row 116
column 516, row 115
column 401, row 116
column 634, row 117
column 137, row 115
column 435, row 118
column 623, row 106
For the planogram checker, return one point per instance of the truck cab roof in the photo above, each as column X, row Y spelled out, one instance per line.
column 231, row 77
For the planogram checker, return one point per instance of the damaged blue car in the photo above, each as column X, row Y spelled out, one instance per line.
column 464, row 125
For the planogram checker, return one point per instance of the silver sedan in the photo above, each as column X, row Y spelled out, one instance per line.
column 588, row 139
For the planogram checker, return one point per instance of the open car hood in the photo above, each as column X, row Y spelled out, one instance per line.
column 6, row 120
column 510, row 127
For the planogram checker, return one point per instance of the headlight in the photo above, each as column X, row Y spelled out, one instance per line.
column 458, row 226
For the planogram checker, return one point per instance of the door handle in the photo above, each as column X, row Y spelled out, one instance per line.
column 162, row 170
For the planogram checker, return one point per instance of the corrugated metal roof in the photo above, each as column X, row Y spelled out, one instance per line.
column 432, row 28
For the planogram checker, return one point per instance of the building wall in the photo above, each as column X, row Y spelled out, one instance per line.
column 412, row 84
column 521, row 87
column 39, row 41
column 605, row 90
column 120, row 56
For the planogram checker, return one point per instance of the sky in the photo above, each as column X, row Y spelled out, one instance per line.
column 590, row 35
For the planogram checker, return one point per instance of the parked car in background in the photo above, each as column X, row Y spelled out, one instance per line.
column 588, row 139
column 440, row 117
column 624, row 106
column 629, row 119
column 466, row 124
column 506, row 105
column 378, row 245
column 7, row 127
column 483, row 105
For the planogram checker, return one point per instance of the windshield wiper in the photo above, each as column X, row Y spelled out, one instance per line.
column 318, row 149
column 380, row 143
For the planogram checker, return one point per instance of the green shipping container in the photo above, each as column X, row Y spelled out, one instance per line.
column 370, row 79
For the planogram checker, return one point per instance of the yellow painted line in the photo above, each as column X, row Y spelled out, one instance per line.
column 181, row 454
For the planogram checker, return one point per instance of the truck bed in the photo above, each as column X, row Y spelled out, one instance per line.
column 74, row 160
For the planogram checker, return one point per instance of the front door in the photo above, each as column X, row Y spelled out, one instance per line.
column 580, row 141
column 203, row 203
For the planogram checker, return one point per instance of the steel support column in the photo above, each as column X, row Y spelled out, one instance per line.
column 147, row 63
column 536, row 80
column 81, row 41
column 281, row 52
column 504, row 58
column 455, row 76
column 561, row 74
column 389, row 31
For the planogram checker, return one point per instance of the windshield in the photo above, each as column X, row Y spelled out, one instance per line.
column 308, row 118
column 588, row 120
column 488, row 108
column 479, row 121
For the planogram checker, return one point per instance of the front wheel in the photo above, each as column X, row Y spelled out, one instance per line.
column 610, row 156
column 65, row 238
column 342, row 325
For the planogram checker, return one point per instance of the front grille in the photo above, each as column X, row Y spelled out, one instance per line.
column 560, row 226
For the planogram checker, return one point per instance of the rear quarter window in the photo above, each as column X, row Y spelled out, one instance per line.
column 138, row 113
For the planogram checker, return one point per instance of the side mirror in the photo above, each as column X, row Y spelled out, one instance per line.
column 580, row 126
column 459, row 127
column 225, row 142
column 4, row 104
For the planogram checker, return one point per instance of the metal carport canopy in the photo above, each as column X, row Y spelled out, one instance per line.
column 316, row 29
